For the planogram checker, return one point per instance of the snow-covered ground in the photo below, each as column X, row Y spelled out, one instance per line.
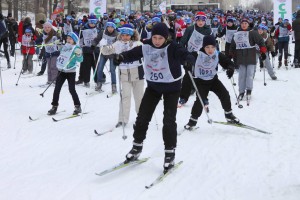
column 46, row 160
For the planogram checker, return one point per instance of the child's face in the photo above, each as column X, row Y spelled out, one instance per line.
column 110, row 29
column 47, row 29
column 70, row 40
column 260, row 31
column 200, row 23
column 158, row 40
column 125, row 37
column 210, row 49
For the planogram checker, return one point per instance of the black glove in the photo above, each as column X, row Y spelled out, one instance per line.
column 230, row 72
column 273, row 54
column 118, row 58
column 189, row 63
column 263, row 56
column 93, row 48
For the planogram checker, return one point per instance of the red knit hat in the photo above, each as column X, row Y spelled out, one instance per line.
column 200, row 16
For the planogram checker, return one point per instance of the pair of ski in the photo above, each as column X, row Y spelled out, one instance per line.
column 55, row 119
column 239, row 125
column 126, row 164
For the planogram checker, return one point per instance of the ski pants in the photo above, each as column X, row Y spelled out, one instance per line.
column 217, row 87
column 12, row 40
column 297, row 53
column 62, row 77
column 149, row 102
column 112, row 69
column 4, row 41
column 52, row 69
column 283, row 47
column 246, row 74
column 44, row 60
column 268, row 65
column 27, row 63
column 137, row 88
column 89, row 62
column 186, row 87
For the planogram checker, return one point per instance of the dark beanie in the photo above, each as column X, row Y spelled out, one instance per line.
column 209, row 40
column 160, row 29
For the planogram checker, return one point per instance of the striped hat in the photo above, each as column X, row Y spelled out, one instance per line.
column 110, row 24
column 74, row 37
column 126, row 29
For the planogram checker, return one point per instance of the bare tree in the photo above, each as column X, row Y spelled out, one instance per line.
column 9, row 3
column 1, row 6
column 16, row 9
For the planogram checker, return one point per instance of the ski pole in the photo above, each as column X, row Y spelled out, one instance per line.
column 236, row 96
column 264, row 63
column 199, row 97
column 122, row 109
column 26, row 60
column 2, row 91
column 42, row 94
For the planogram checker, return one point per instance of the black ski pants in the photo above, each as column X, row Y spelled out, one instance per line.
column 89, row 61
column 62, row 77
column 214, row 85
column 4, row 41
column 149, row 102
column 283, row 47
column 297, row 53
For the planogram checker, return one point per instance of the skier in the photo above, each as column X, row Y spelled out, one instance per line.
column 50, row 39
column 296, row 28
column 243, row 48
column 162, row 59
column 28, row 50
column 282, row 34
column 106, row 37
column 192, row 39
column 66, row 65
column 131, row 74
column 206, row 79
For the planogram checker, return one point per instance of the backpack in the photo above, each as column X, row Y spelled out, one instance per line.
column 3, row 29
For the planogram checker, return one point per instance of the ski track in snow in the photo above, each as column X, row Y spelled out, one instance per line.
column 58, row 161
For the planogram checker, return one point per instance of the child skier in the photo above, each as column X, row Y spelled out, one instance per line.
column 162, row 60
column 206, row 80
column 50, row 39
column 66, row 65
column 131, row 74
column 28, row 50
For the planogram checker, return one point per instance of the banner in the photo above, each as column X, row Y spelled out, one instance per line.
column 283, row 9
column 98, row 7
column 163, row 7
column 59, row 9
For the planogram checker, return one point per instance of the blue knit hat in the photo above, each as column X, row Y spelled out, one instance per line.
column 156, row 19
column 28, row 30
column 74, row 37
column 126, row 29
column 110, row 24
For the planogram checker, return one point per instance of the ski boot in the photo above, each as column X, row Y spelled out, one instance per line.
column 182, row 101
column 191, row 124
column 274, row 77
column 169, row 160
column 114, row 89
column 87, row 85
column 279, row 64
column 98, row 87
column 286, row 63
column 53, row 110
column 77, row 110
column 78, row 82
column 120, row 124
column 241, row 96
column 231, row 118
column 8, row 65
column 135, row 152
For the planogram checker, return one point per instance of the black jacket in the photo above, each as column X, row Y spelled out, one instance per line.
column 177, row 55
column 296, row 27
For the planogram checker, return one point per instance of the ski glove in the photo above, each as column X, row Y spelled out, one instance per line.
column 93, row 47
column 263, row 56
column 229, row 72
column 118, row 58
column 78, row 52
column 189, row 63
column 273, row 54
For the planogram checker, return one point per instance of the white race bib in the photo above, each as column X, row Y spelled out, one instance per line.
column 229, row 35
column 26, row 41
column 88, row 36
column 205, row 66
column 65, row 56
column 241, row 40
column 195, row 42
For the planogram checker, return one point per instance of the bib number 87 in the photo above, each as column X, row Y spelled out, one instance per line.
column 156, row 76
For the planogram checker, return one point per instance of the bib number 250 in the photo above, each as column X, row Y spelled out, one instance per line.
column 156, row 76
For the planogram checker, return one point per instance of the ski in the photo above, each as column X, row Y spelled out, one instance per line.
column 94, row 93
column 161, row 177
column 43, row 116
column 122, row 165
column 240, row 125
column 69, row 117
column 103, row 132
column 183, row 130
